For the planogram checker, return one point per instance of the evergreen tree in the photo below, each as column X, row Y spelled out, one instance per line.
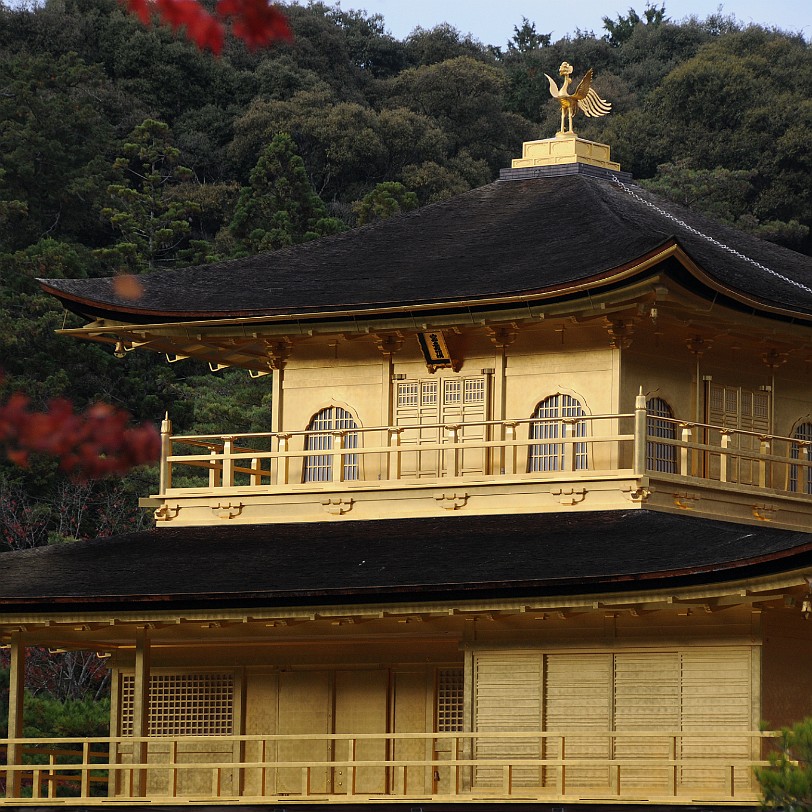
column 384, row 201
column 787, row 783
column 153, row 224
column 279, row 207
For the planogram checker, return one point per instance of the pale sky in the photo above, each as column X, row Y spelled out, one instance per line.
column 492, row 21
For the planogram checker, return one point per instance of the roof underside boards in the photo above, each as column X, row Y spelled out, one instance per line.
column 509, row 238
column 396, row 560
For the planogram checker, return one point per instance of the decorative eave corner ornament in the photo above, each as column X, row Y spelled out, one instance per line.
column 566, row 152
column 584, row 99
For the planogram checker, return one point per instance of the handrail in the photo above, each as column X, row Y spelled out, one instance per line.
column 182, row 438
column 492, row 449
column 148, row 767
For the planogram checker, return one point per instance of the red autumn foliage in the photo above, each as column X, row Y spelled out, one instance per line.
column 88, row 445
column 256, row 22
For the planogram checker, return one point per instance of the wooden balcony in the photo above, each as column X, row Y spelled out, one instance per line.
column 713, row 766
column 589, row 462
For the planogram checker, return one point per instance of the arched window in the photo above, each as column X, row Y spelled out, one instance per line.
column 660, row 457
column 549, row 414
column 797, row 474
column 319, row 467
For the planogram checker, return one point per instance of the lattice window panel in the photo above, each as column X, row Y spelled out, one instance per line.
column 474, row 390
column 319, row 467
column 452, row 392
column 550, row 456
column 183, row 705
column 408, row 393
column 450, row 684
column 428, row 395
column 660, row 457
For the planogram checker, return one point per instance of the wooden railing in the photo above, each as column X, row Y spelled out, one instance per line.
column 606, row 446
column 671, row 767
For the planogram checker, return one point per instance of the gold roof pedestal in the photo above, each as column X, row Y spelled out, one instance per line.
column 564, row 148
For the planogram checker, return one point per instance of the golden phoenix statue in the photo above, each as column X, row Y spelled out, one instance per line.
column 585, row 98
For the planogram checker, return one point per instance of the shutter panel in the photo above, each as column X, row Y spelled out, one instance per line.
column 716, row 693
column 647, row 697
column 579, row 700
column 507, row 697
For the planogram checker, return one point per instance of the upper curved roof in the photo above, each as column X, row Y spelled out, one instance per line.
column 509, row 238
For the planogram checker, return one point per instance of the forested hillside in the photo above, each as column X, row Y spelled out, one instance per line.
column 124, row 148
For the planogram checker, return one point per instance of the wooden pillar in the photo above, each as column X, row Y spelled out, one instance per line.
column 277, row 383
column 141, row 709
column 16, row 694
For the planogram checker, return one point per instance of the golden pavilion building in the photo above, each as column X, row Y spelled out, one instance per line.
column 532, row 523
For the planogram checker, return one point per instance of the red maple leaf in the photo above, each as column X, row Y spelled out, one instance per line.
column 89, row 445
column 256, row 22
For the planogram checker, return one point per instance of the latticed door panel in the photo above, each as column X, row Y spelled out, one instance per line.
column 423, row 407
column 734, row 408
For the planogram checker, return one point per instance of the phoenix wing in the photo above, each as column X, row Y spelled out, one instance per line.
column 553, row 86
column 583, row 86
column 592, row 105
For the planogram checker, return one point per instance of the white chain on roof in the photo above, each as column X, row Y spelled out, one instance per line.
column 706, row 237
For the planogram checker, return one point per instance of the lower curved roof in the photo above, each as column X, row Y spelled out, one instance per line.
column 396, row 560
column 509, row 238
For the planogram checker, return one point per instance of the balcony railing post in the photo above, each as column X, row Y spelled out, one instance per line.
column 84, row 791
column 283, row 463
column 228, row 462
column 215, row 471
column 567, row 448
column 337, row 462
column 723, row 457
column 165, row 470
column 511, row 451
column 452, row 462
column 393, row 462
column 52, row 774
column 351, row 767
column 640, row 431
column 765, row 447
column 685, row 451
column 804, row 471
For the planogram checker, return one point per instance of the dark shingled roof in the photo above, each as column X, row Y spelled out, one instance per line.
column 510, row 237
column 396, row 560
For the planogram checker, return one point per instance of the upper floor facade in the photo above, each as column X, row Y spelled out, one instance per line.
column 478, row 356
